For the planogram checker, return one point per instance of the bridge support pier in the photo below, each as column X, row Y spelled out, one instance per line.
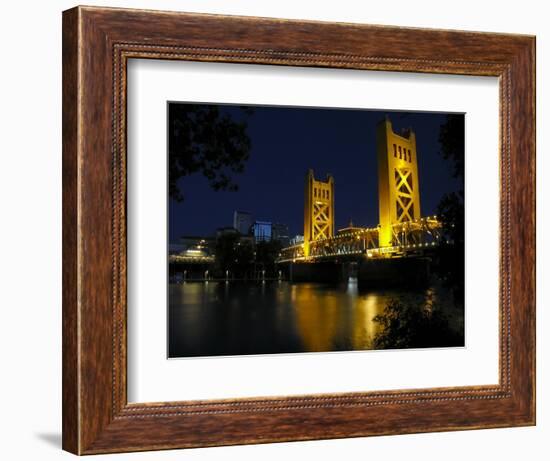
column 393, row 272
column 370, row 273
column 323, row 272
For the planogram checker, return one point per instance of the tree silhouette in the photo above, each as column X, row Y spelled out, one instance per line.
column 451, row 139
column 203, row 139
column 234, row 255
column 414, row 325
column 451, row 262
column 266, row 254
column 450, row 266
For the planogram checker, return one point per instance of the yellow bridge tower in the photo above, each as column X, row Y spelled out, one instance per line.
column 318, row 210
column 398, row 192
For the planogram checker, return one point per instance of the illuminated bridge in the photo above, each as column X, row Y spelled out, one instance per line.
column 409, row 239
column 402, row 231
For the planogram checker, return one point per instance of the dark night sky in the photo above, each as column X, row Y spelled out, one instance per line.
column 286, row 142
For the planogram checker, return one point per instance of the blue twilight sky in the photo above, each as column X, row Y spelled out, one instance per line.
column 286, row 142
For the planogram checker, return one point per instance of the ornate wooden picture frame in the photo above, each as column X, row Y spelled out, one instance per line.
column 97, row 44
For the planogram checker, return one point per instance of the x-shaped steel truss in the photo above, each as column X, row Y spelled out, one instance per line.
column 404, row 195
column 321, row 221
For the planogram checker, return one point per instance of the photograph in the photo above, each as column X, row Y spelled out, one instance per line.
column 312, row 229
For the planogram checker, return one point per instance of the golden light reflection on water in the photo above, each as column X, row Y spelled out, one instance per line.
column 368, row 307
column 330, row 322
column 233, row 319
column 316, row 318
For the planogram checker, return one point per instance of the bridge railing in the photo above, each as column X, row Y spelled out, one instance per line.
column 425, row 230
column 345, row 243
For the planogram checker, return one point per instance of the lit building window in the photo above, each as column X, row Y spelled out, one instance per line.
column 262, row 231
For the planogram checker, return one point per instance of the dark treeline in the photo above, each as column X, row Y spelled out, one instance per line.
column 245, row 259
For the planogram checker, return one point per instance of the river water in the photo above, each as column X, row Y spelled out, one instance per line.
column 218, row 318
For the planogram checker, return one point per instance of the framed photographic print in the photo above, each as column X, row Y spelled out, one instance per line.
column 279, row 230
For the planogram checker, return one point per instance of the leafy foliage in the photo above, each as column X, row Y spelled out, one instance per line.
column 234, row 255
column 413, row 325
column 242, row 258
column 266, row 254
column 451, row 139
column 203, row 139
column 450, row 264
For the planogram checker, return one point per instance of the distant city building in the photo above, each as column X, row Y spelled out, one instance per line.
column 297, row 239
column 242, row 221
column 262, row 231
column 279, row 232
